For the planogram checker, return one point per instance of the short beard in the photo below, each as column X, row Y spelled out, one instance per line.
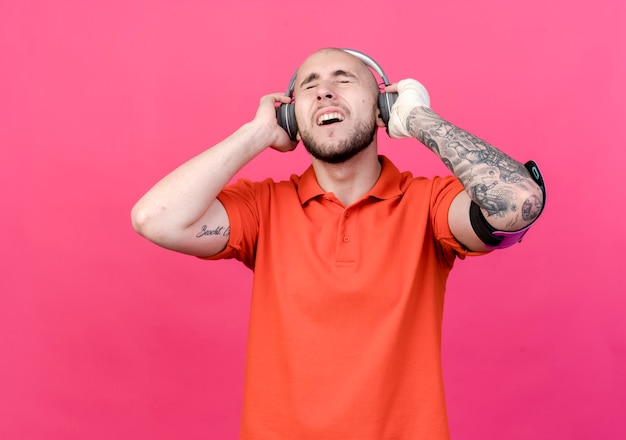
column 361, row 138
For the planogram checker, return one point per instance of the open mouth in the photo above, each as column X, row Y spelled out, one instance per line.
column 330, row 118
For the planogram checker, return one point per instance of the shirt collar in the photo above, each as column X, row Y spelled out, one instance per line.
column 387, row 186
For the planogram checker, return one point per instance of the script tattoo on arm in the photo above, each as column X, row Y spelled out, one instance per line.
column 206, row 231
column 491, row 178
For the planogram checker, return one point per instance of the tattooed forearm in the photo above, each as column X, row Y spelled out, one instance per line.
column 218, row 230
column 492, row 179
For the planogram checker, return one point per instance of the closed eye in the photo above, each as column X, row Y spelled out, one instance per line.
column 340, row 76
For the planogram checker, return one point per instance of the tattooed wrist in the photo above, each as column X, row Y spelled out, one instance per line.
column 418, row 118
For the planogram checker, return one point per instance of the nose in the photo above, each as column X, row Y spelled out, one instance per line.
column 325, row 90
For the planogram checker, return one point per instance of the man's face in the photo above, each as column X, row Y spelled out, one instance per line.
column 336, row 105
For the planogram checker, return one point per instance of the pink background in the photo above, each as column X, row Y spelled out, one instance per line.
column 105, row 336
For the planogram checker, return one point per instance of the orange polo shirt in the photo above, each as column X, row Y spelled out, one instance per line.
column 347, row 303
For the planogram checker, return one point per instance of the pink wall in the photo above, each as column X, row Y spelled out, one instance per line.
column 105, row 336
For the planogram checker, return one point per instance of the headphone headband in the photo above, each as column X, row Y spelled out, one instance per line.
column 369, row 61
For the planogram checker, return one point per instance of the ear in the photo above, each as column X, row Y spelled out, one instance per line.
column 379, row 120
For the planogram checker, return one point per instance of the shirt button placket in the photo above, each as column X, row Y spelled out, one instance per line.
column 345, row 245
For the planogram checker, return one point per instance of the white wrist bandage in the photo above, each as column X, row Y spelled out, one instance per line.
column 411, row 94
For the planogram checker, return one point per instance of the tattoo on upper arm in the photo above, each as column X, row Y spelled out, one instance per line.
column 205, row 231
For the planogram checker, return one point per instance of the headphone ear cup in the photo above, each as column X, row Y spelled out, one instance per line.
column 385, row 102
column 286, row 118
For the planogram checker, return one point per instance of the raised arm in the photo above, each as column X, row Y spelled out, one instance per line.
column 504, row 194
column 181, row 212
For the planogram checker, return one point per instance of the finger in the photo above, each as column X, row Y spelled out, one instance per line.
column 391, row 88
column 276, row 97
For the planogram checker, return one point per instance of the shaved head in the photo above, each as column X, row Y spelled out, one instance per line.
column 372, row 82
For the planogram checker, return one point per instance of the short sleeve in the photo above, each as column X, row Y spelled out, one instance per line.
column 444, row 191
column 241, row 201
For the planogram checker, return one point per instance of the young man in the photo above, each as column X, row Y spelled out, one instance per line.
column 350, row 258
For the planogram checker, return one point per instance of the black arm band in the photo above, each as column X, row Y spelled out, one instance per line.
column 494, row 238
column 482, row 228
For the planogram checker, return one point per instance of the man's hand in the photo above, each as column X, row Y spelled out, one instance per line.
column 411, row 94
column 266, row 118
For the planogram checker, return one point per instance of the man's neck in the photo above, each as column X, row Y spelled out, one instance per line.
column 351, row 180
